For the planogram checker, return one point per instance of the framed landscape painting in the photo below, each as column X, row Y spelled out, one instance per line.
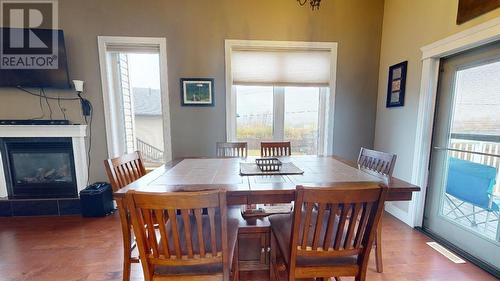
column 397, row 85
column 197, row 92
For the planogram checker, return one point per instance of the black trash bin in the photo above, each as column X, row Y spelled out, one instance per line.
column 97, row 200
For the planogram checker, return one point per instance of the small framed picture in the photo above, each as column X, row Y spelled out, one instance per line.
column 397, row 85
column 197, row 92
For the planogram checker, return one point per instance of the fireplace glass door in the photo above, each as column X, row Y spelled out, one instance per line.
column 41, row 168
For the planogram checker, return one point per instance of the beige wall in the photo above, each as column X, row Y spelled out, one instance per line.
column 195, row 31
column 409, row 25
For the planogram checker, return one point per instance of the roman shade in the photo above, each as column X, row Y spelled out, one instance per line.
column 281, row 67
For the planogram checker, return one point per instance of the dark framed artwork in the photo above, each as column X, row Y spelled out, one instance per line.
column 197, row 92
column 397, row 85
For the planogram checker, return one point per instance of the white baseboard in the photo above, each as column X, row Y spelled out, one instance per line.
column 398, row 213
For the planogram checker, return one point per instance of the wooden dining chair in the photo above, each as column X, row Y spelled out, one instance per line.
column 231, row 150
column 379, row 164
column 122, row 171
column 275, row 149
column 333, row 241
column 188, row 244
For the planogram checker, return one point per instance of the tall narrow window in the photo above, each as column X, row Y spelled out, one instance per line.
column 137, row 86
column 280, row 93
column 134, row 83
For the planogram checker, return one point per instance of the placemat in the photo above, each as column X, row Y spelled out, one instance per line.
column 251, row 169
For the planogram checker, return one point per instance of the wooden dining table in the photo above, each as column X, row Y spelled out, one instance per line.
column 254, row 233
column 203, row 173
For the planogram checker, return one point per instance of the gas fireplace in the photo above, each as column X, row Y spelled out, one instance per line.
column 39, row 167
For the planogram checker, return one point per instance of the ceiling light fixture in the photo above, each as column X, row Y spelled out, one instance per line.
column 314, row 3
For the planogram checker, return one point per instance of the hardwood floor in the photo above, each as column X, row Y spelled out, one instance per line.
column 74, row 248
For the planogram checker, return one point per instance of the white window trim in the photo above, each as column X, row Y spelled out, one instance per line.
column 278, row 113
column 327, row 144
column 476, row 36
column 111, row 113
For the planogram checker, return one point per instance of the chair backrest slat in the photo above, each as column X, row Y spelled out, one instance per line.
column 308, row 213
column 363, row 224
column 275, row 149
column 231, row 150
column 352, row 223
column 151, row 232
column 124, row 170
column 376, row 162
column 344, row 213
column 199, row 224
column 187, row 232
column 213, row 241
column 343, row 224
column 162, row 221
column 330, row 228
column 319, row 226
column 172, row 214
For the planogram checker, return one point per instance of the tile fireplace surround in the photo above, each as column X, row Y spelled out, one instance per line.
column 61, row 206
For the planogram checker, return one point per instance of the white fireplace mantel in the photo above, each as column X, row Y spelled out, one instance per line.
column 76, row 132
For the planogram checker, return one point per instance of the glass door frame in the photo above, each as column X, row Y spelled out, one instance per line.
column 439, row 159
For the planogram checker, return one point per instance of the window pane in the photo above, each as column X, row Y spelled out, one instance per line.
column 475, row 127
column 147, row 126
column 254, row 116
column 301, row 119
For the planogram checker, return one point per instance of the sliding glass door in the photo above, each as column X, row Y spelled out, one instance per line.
column 462, row 205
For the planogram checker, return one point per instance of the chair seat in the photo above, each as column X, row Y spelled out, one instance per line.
column 207, row 269
column 281, row 226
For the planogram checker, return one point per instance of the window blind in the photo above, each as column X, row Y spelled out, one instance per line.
column 281, row 67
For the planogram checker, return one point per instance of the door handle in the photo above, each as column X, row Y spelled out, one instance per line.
column 440, row 148
column 466, row 151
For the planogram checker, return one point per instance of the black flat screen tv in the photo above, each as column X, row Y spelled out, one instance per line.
column 33, row 47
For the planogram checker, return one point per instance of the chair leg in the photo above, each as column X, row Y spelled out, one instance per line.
column 361, row 276
column 126, row 266
column 378, row 248
column 487, row 219
column 236, row 264
column 127, row 238
column 337, row 278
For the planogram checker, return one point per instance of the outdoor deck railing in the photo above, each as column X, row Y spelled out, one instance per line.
column 483, row 149
column 150, row 153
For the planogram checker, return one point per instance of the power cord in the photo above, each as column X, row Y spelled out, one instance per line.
column 86, row 105
column 47, row 102
column 41, row 109
column 60, row 107
column 40, row 95
column 88, row 121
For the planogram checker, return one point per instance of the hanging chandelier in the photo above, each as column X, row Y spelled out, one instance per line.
column 314, row 3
